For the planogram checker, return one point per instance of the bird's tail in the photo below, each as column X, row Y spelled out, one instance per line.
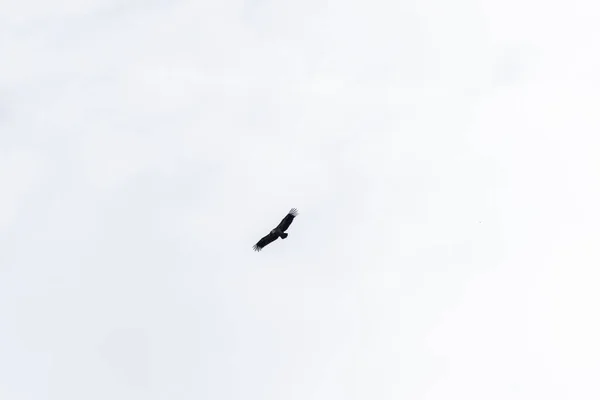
column 293, row 212
column 284, row 235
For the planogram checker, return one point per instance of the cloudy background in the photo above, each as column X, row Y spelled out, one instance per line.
column 444, row 157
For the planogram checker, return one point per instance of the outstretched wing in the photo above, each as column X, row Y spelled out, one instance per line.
column 271, row 237
column 287, row 220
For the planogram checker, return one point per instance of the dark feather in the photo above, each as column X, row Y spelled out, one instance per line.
column 287, row 220
column 271, row 237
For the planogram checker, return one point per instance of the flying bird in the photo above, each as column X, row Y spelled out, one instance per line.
column 278, row 232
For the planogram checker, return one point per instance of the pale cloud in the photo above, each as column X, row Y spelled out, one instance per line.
column 20, row 172
column 443, row 158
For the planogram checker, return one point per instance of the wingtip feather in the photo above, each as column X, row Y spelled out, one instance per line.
column 293, row 212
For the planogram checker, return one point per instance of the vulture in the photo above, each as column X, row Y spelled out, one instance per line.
column 278, row 232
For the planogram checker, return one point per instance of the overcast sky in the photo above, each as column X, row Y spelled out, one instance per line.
column 444, row 158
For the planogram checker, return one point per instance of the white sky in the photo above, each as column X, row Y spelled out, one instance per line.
column 444, row 157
